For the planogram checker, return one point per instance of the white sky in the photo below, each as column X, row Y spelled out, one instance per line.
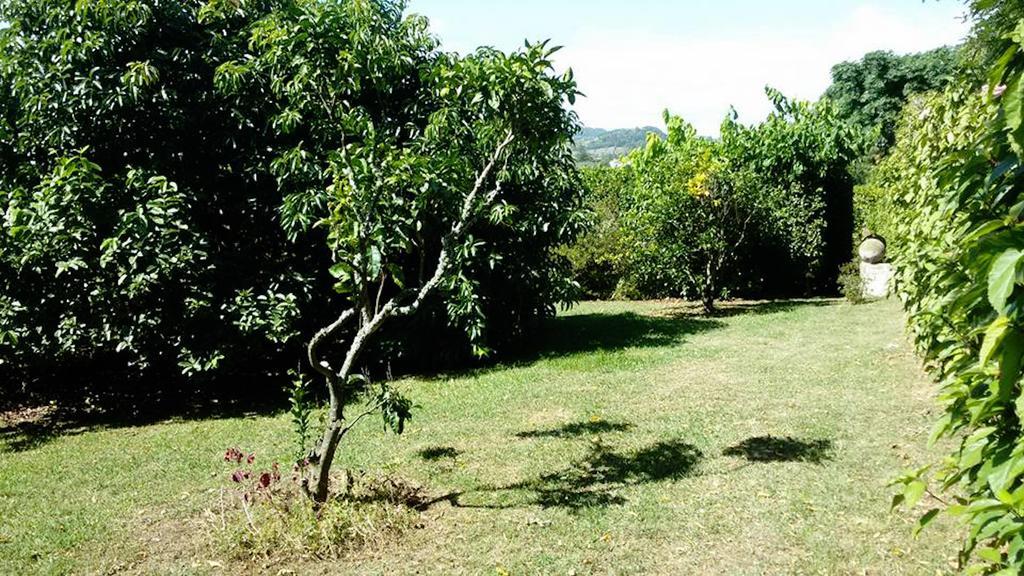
column 695, row 57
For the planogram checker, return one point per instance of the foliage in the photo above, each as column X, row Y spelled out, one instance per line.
column 851, row 284
column 136, row 235
column 871, row 92
column 396, row 152
column 300, row 409
column 957, row 172
column 876, row 211
column 598, row 258
column 986, row 44
column 163, row 167
column 781, row 208
column 805, row 152
column 688, row 217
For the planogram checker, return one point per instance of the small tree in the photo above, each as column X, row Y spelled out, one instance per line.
column 396, row 152
column 693, row 212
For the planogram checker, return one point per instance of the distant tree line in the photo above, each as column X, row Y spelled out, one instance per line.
column 871, row 92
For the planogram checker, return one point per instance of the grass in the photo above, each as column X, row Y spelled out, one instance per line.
column 641, row 439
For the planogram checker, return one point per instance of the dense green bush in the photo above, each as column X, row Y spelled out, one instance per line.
column 790, row 177
column 957, row 174
column 598, row 258
column 805, row 150
column 140, row 232
column 874, row 206
column 160, row 192
column 689, row 215
column 851, row 284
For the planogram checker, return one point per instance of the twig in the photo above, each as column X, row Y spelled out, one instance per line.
column 356, row 420
column 248, row 516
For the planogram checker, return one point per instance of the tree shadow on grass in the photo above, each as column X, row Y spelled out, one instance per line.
column 606, row 332
column 575, row 429
column 435, row 453
column 27, row 428
column 761, row 308
column 595, row 480
column 731, row 308
column 787, row 449
column 246, row 396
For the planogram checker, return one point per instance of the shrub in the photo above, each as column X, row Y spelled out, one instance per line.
column 262, row 515
column 789, row 174
column 599, row 256
column 804, row 151
column 138, row 237
column 957, row 172
column 689, row 216
column 851, row 284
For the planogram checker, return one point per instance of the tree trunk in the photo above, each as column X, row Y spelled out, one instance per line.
column 320, row 477
column 708, row 289
column 708, row 302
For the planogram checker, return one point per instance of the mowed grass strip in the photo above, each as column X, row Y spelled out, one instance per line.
column 639, row 438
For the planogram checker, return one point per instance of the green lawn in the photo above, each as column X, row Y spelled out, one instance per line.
column 644, row 439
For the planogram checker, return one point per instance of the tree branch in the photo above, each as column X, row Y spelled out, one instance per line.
column 369, row 411
column 380, row 291
column 468, row 216
column 312, row 350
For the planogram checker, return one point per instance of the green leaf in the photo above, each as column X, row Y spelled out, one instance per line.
column 339, row 270
column 990, row 554
column 1013, row 104
column 1010, row 363
column 913, row 493
column 994, row 336
column 984, row 230
column 1002, row 278
column 925, row 520
column 373, row 263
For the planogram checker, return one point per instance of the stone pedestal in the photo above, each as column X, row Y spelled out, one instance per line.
column 876, row 279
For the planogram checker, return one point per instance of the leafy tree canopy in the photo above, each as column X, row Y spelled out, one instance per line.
column 778, row 194
column 871, row 92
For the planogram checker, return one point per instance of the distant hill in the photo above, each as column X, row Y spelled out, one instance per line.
column 600, row 146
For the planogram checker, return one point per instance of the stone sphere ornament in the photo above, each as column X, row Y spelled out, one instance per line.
column 872, row 250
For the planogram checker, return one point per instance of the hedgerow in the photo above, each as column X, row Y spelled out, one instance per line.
column 956, row 177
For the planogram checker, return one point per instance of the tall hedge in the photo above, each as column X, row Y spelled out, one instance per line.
column 957, row 176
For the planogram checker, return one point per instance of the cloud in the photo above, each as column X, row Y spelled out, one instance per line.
column 630, row 76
